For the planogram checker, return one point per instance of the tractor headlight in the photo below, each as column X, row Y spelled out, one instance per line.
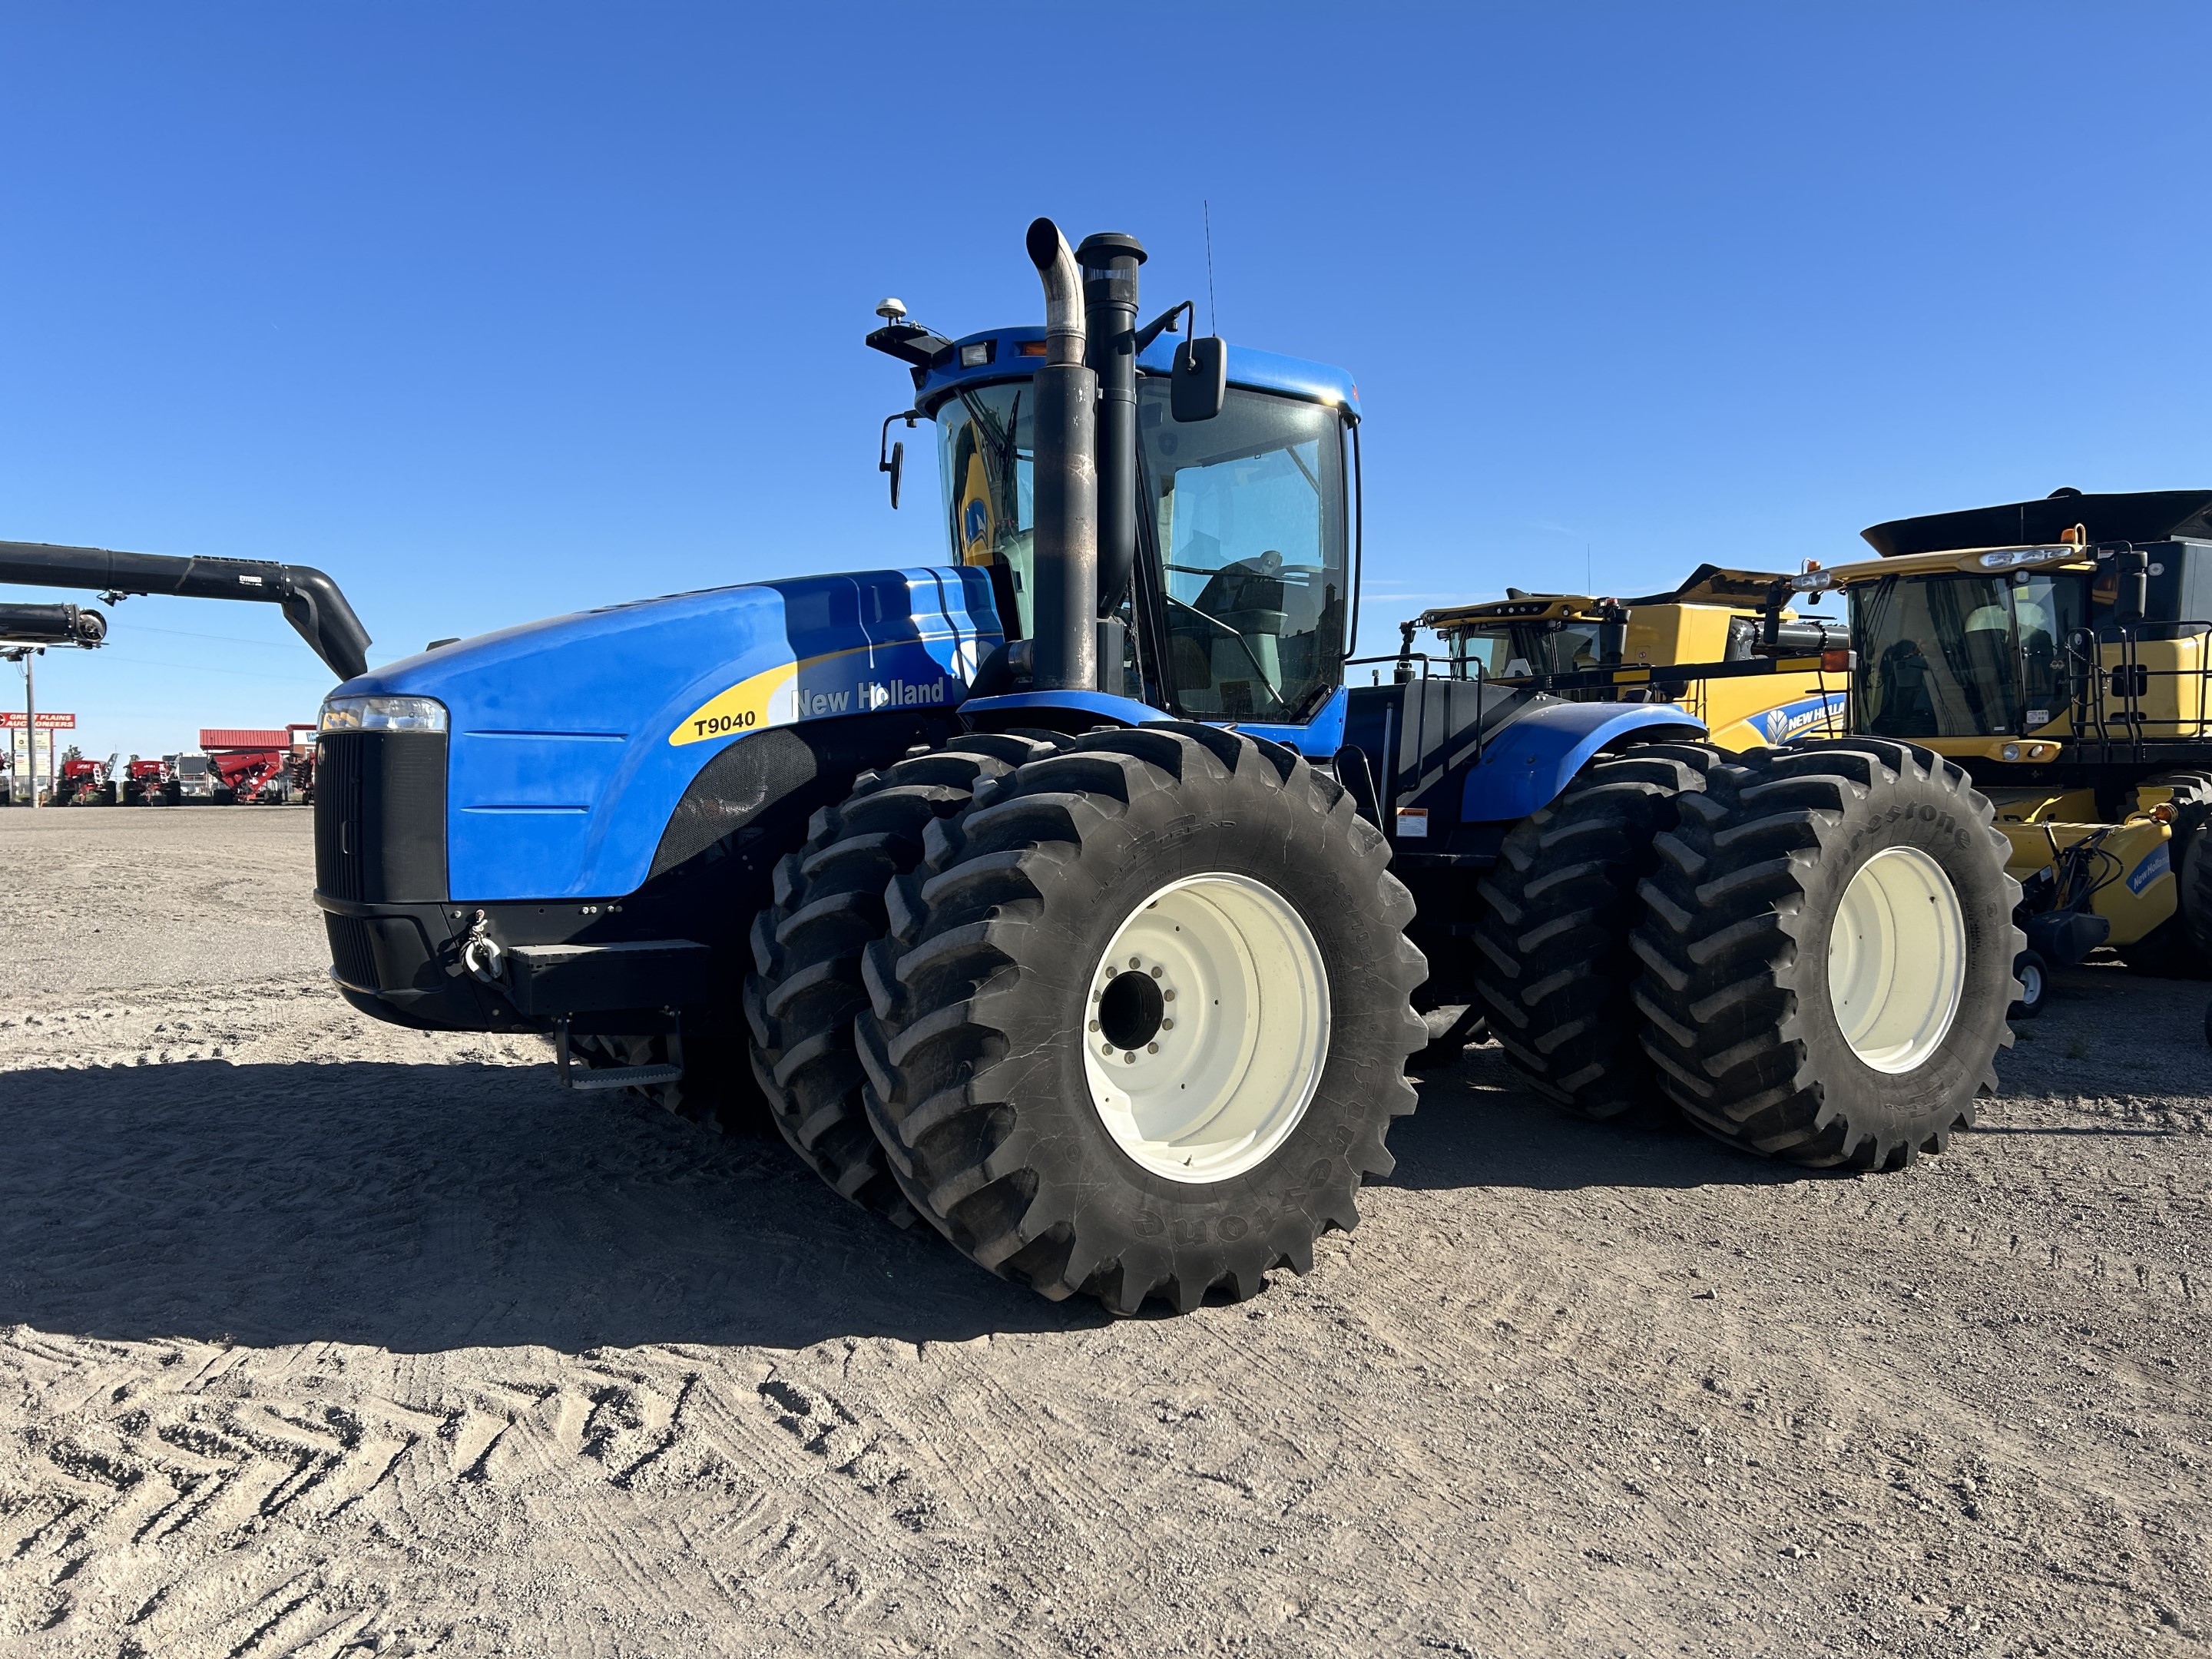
column 383, row 714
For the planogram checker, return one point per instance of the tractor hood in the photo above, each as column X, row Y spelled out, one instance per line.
column 571, row 740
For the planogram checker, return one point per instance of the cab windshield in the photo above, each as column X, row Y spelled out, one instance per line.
column 1964, row 656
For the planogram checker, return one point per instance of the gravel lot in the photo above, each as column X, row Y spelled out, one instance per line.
column 318, row 1336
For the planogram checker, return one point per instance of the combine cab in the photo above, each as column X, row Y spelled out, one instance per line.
column 1715, row 616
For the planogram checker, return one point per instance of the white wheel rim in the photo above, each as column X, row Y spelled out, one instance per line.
column 2031, row 984
column 1204, row 1075
column 1897, row 959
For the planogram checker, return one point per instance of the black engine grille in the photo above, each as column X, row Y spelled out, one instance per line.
column 338, row 830
column 380, row 817
column 349, row 950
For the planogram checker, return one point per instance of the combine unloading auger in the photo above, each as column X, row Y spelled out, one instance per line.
column 311, row 600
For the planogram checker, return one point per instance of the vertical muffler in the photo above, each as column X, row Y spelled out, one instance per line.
column 1066, row 558
column 1109, row 261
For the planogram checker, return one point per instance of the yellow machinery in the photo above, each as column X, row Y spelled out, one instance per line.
column 1716, row 616
column 2058, row 649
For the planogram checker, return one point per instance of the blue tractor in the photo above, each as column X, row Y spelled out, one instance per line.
column 1068, row 899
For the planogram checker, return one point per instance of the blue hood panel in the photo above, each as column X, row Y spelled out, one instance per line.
column 574, row 739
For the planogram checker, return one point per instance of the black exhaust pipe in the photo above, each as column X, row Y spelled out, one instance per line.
column 1109, row 261
column 1066, row 559
column 310, row 599
column 50, row 624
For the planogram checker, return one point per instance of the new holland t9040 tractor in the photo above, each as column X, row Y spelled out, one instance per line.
column 1065, row 899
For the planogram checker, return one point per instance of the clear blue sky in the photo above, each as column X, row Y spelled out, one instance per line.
column 498, row 311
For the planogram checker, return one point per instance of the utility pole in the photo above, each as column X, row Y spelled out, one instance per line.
column 24, row 654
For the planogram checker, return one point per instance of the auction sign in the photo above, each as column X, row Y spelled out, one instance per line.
column 11, row 719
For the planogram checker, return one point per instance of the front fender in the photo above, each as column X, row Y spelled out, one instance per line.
column 1526, row 763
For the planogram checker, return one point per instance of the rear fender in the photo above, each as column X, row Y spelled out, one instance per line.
column 1527, row 763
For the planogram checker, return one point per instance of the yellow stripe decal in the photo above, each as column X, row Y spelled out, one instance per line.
column 763, row 699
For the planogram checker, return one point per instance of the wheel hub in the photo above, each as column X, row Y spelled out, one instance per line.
column 1897, row 959
column 1132, row 1009
column 1207, row 1027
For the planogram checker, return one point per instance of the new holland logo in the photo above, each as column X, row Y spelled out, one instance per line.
column 900, row 694
column 776, row 697
column 1793, row 719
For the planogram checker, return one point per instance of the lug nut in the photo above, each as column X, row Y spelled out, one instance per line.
column 1134, row 962
column 1167, row 1025
column 1156, row 973
column 1152, row 1048
column 1131, row 1057
column 1167, row 996
column 1094, row 1025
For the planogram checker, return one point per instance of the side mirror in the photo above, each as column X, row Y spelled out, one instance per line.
column 892, row 459
column 1200, row 384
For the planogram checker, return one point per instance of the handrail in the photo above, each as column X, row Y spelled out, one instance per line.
column 2098, row 684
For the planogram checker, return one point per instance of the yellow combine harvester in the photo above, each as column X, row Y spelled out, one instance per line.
column 2058, row 649
column 1716, row 616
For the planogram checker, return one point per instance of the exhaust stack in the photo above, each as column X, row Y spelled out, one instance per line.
column 1066, row 477
column 1109, row 261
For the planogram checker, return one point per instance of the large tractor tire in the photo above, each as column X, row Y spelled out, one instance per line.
column 805, row 987
column 1554, row 962
column 1828, row 947
column 1141, row 1025
column 2179, row 948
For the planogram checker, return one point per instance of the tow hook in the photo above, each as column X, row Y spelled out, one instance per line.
column 481, row 954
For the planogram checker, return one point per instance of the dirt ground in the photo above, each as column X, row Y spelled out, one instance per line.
column 322, row 1337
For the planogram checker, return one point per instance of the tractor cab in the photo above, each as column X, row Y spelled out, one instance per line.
column 1240, row 606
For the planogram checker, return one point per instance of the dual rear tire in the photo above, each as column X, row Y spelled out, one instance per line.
column 1807, row 952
